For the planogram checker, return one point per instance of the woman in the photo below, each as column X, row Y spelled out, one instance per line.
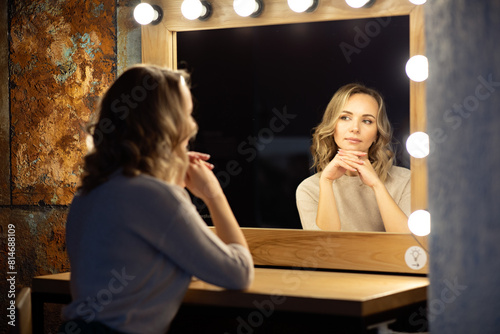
column 356, row 187
column 134, row 238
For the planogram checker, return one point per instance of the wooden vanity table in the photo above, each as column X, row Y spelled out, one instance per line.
column 369, row 300
column 300, row 285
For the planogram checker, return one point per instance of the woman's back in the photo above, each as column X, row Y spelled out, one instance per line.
column 134, row 243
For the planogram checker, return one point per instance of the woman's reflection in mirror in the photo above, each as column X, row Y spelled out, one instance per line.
column 357, row 187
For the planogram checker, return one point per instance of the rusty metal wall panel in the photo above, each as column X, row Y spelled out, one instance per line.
column 40, row 241
column 40, row 248
column 63, row 56
column 128, row 36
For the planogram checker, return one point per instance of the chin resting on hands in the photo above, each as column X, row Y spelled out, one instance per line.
column 365, row 170
column 342, row 162
column 200, row 179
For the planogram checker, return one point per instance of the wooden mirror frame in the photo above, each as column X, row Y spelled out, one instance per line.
column 374, row 251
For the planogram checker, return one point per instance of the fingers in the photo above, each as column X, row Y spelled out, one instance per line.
column 349, row 152
column 349, row 160
column 198, row 155
column 200, row 179
column 347, row 164
column 353, row 160
column 209, row 165
column 341, row 164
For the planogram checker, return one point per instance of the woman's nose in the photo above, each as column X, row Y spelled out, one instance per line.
column 354, row 128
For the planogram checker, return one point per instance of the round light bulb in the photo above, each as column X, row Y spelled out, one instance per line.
column 357, row 3
column 144, row 13
column 418, row 2
column 417, row 144
column 89, row 142
column 417, row 68
column 245, row 8
column 419, row 223
column 300, row 6
column 192, row 9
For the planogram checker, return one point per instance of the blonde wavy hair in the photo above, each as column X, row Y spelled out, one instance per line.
column 324, row 148
column 140, row 128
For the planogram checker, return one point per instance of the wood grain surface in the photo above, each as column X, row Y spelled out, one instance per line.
column 335, row 293
column 363, row 251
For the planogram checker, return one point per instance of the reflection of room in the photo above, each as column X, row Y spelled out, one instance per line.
column 290, row 72
column 58, row 58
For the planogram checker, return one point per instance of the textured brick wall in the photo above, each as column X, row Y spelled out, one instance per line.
column 59, row 58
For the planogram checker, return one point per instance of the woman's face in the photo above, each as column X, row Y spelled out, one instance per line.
column 188, row 109
column 356, row 127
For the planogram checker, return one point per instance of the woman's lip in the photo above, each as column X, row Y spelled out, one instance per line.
column 353, row 140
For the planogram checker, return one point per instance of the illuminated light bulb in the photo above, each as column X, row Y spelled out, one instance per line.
column 417, row 68
column 247, row 8
column 418, row 2
column 300, row 6
column 417, row 144
column 144, row 14
column 419, row 223
column 357, row 3
column 195, row 9
column 89, row 142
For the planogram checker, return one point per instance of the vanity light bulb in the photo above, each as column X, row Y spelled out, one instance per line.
column 193, row 9
column 417, row 144
column 246, row 8
column 89, row 142
column 300, row 6
column 144, row 13
column 419, row 223
column 417, row 68
column 418, row 2
column 357, row 3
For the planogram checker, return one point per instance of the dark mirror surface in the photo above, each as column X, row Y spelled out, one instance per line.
column 260, row 91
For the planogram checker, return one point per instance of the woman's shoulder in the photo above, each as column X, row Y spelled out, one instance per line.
column 146, row 187
column 310, row 183
column 399, row 173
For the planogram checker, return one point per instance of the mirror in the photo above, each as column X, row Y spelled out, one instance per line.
column 257, row 101
column 159, row 46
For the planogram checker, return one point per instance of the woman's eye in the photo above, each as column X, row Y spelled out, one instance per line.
column 368, row 121
column 344, row 118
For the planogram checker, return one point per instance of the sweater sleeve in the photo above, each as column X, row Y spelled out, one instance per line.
column 405, row 200
column 188, row 242
column 307, row 203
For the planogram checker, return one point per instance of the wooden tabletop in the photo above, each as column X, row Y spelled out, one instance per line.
column 335, row 293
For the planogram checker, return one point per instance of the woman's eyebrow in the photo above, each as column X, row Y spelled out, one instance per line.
column 365, row 115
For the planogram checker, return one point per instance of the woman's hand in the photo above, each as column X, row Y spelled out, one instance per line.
column 200, row 156
column 200, row 180
column 342, row 162
column 365, row 170
column 395, row 220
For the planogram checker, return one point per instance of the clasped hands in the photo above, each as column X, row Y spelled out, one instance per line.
column 200, row 179
column 351, row 161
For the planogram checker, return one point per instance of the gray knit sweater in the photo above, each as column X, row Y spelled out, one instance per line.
column 134, row 244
